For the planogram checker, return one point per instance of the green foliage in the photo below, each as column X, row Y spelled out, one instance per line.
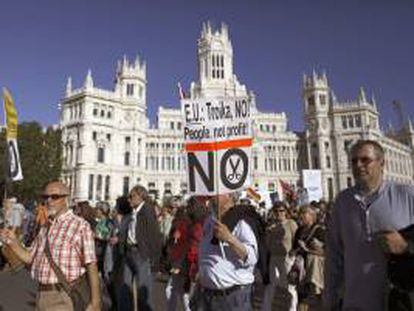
column 40, row 156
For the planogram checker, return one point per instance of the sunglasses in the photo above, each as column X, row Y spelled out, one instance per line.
column 363, row 160
column 53, row 197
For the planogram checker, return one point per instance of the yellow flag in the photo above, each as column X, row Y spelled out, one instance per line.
column 14, row 166
column 11, row 115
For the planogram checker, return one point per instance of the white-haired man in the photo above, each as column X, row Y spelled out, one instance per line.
column 69, row 239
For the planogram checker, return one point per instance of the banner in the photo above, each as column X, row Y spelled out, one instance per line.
column 218, row 140
column 14, row 167
column 312, row 182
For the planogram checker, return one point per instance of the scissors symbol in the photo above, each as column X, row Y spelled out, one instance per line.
column 234, row 175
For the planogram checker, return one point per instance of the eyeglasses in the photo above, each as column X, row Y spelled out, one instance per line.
column 363, row 160
column 54, row 197
column 280, row 211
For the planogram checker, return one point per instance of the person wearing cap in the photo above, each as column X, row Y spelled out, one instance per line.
column 71, row 244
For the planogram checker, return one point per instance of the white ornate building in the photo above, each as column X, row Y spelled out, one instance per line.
column 109, row 145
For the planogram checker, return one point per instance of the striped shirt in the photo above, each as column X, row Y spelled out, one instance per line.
column 72, row 247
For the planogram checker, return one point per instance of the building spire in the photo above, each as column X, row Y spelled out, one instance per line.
column 334, row 100
column 324, row 77
column 124, row 63
column 68, row 87
column 89, row 81
column 361, row 96
column 224, row 30
column 314, row 76
column 373, row 101
column 410, row 125
column 137, row 61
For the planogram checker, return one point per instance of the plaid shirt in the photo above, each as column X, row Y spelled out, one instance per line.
column 71, row 242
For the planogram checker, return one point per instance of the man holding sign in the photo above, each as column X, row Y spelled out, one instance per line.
column 218, row 139
column 226, row 271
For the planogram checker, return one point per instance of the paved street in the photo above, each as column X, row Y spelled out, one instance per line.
column 18, row 292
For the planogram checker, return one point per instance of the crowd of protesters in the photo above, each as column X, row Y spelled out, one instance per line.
column 225, row 252
column 291, row 232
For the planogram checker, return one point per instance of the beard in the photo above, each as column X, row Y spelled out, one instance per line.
column 51, row 212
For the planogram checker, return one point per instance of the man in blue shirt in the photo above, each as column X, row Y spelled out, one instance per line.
column 362, row 230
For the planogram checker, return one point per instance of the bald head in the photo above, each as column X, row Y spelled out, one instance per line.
column 56, row 187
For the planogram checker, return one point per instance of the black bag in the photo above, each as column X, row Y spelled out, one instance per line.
column 196, row 300
column 297, row 272
column 401, row 267
column 79, row 292
column 399, row 300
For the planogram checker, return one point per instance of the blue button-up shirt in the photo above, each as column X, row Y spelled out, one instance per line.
column 355, row 263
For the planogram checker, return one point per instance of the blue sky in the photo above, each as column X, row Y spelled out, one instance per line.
column 358, row 43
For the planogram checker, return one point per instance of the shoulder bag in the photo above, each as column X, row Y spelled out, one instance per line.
column 79, row 292
column 297, row 271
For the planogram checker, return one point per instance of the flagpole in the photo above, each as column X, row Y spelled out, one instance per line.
column 218, row 216
column 6, row 169
column 11, row 151
column 6, row 153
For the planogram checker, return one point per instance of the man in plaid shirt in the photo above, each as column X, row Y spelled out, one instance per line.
column 72, row 247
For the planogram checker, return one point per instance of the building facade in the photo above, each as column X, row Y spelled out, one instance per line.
column 109, row 144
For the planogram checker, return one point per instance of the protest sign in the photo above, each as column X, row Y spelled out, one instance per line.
column 218, row 140
column 312, row 182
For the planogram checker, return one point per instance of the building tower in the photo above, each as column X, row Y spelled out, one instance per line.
column 131, row 82
column 318, row 129
column 215, row 65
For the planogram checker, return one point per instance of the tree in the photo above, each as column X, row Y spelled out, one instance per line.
column 41, row 159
